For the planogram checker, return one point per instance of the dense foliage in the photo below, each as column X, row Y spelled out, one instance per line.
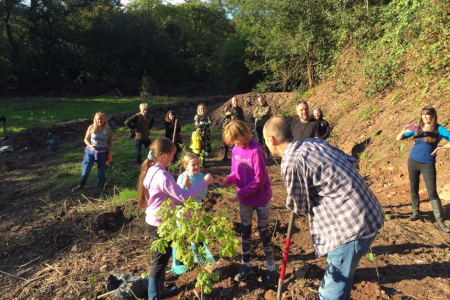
column 149, row 47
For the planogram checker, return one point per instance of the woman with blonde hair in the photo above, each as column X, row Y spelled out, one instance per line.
column 202, row 124
column 98, row 140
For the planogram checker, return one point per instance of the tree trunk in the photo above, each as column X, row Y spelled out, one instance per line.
column 310, row 64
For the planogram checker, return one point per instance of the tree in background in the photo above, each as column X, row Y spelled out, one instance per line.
column 286, row 37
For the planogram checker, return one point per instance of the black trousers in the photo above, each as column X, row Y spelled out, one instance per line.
column 160, row 260
column 428, row 172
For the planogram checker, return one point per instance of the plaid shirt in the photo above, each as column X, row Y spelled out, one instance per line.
column 322, row 182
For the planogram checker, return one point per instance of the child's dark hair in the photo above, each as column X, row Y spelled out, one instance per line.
column 159, row 147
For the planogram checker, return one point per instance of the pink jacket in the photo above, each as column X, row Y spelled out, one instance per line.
column 161, row 186
column 249, row 172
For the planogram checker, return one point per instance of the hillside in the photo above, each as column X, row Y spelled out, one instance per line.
column 62, row 245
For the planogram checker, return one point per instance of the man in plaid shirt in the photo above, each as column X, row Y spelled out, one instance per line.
column 323, row 183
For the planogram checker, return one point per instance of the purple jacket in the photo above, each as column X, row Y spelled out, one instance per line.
column 249, row 172
column 161, row 186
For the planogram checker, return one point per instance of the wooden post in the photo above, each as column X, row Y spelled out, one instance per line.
column 174, row 130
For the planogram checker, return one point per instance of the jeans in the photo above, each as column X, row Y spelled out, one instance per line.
column 259, row 135
column 160, row 260
column 88, row 162
column 138, row 144
column 340, row 268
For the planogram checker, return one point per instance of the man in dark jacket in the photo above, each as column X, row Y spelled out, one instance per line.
column 141, row 123
column 231, row 111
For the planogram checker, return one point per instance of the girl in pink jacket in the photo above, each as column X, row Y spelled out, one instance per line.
column 155, row 186
column 249, row 173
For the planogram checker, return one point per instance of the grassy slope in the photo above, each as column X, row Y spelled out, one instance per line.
column 379, row 84
column 24, row 113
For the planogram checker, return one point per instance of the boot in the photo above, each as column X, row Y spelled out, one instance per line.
column 153, row 289
column 175, row 262
column 437, row 211
column 225, row 155
column 101, row 189
column 165, row 292
column 415, row 202
column 81, row 185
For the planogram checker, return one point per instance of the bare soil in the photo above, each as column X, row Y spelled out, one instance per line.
column 59, row 245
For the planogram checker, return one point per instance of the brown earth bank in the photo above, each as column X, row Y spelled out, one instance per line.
column 59, row 245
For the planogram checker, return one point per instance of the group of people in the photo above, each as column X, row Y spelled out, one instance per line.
column 322, row 182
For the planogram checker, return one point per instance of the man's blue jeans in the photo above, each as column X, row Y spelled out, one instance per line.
column 88, row 162
column 138, row 144
column 340, row 268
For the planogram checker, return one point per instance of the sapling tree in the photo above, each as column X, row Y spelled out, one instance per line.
column 190, row 225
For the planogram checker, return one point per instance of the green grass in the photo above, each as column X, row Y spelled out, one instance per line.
column 24, row 113
column 63, row 173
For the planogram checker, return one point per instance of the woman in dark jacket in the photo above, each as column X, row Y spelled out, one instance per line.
column 324, row 126
column 169, row 124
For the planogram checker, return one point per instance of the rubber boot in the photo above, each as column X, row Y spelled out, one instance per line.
column 153, row 289
column 437, row 211
column 80, row 186
column 175, row 262
column 165, row 292
column 415, row 202
column 101, row 189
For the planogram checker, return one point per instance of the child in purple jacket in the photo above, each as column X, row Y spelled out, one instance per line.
column 249, row 173
column 155, row 186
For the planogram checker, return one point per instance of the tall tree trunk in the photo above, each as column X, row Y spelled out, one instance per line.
column 13, row 46
column 310, row 64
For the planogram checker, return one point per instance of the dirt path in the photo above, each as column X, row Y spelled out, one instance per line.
column 56, row 245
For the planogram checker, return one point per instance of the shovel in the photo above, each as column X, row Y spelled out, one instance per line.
column 285, row 255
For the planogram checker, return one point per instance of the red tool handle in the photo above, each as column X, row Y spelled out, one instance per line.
column 285, row 255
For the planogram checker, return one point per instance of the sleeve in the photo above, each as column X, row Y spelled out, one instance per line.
column 181, row 179
column 152, row 121
column 256, row 113
column 240, row 114
column 178, row 194
column 232, row 176
column 347, row 157
column 408, row 134
column 297, row 191
column 168, row 130
column 316, row 129
column 268, row 113
column 203, row 193
column 443, row 133
column 178, row 127
column 208, row 120
column 224, row 112
column 259, row 166
column 197, row 122
column 327, row 130
column 131, row 122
